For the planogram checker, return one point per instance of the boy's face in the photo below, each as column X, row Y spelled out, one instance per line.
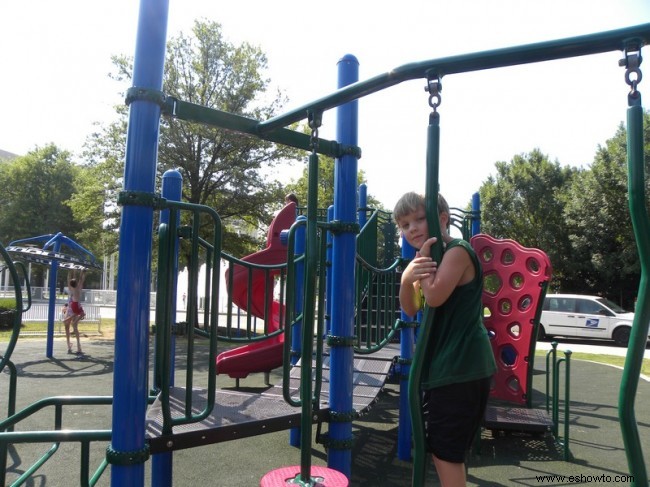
column 414, row 227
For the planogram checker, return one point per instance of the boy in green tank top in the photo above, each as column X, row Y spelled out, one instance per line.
column 456, row 383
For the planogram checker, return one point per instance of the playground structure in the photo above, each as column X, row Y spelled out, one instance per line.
column 130, row 440
column 57, row 251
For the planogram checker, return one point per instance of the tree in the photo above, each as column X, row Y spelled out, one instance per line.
column 597, row 213
column 224, row 170
column 35, row 189
column 325, row 185
column 221, row 169
column 525, row 202
column 94, row 203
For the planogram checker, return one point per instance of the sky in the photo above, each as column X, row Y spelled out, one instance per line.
column 56, row 57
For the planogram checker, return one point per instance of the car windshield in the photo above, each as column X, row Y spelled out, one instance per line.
column 611, row 305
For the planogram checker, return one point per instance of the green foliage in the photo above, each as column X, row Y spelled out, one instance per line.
column 580, row 218
column 35, row 191
column 597, row 213
column 326, row 167
column 7, row 307
column 99, row 222
column 228, row 172
column 7, row 303
column 525, row 201
column 35, row 188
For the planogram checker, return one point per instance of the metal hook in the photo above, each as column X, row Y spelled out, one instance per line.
column 434, row 87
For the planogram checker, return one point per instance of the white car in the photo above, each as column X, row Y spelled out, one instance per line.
column 577, row 315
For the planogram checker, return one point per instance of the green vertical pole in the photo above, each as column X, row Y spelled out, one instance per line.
column 567, row 405
column 639, row 334
column 421, row 349
column 311, row 264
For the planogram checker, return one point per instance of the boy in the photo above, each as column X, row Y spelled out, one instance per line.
column 456, row 384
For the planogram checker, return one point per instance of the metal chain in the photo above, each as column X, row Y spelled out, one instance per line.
column 315, row 120
column 633, row 75
column 434, row 87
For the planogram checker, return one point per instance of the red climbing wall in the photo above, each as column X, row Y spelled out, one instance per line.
column 512, row 289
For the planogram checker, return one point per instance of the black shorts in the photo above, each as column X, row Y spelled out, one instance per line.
column 452, row 416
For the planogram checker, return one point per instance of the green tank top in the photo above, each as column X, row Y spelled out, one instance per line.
column 460, row 349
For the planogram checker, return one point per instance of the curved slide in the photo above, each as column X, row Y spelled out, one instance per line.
column 265, row 355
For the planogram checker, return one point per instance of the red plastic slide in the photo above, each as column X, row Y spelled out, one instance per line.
column 265, row 355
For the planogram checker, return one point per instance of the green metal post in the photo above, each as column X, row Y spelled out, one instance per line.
column 639, row 334
column 311, row 264
column 567, row 404
column 550, row 367
column 421, row 349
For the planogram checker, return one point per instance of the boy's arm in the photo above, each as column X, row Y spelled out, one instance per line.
column 438, row 287
column 418, row 269
column 408, row 293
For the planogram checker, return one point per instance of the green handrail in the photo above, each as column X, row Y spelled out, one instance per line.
column 164, row 319
column 251, row 333
column 639, row 333
column 550, row 367
column 291, row 319
column 5, row 360
column 7, row 436
column 385, row 309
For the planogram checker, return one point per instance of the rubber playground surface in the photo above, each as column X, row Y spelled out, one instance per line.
column 598, row 457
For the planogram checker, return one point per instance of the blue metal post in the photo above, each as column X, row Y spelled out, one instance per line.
column 476, row 214
column 407, row 341
column 54, row 267
column 172, row 189
column 296, row 329
column 343, row 272
column 55, row 244
column 128, row 450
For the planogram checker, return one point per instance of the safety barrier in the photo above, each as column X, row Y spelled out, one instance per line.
column 39, row 312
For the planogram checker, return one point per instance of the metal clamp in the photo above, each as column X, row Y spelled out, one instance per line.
column 343, row 417
column 346, row 444
column 633, row 76
column 145, row 94
column 340, row 341
column 141, row 198
column 337, row 227
column 126, row 458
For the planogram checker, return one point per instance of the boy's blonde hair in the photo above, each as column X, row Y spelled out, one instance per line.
column 412, row 202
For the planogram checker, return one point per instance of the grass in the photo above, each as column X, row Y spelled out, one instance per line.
column 107, row 328
column 611, row 360
column 604, row 359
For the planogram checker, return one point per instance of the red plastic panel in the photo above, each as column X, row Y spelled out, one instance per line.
column 512, row 278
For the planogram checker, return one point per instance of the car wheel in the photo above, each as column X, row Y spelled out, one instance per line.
column 621, row 336
column 541, row 334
